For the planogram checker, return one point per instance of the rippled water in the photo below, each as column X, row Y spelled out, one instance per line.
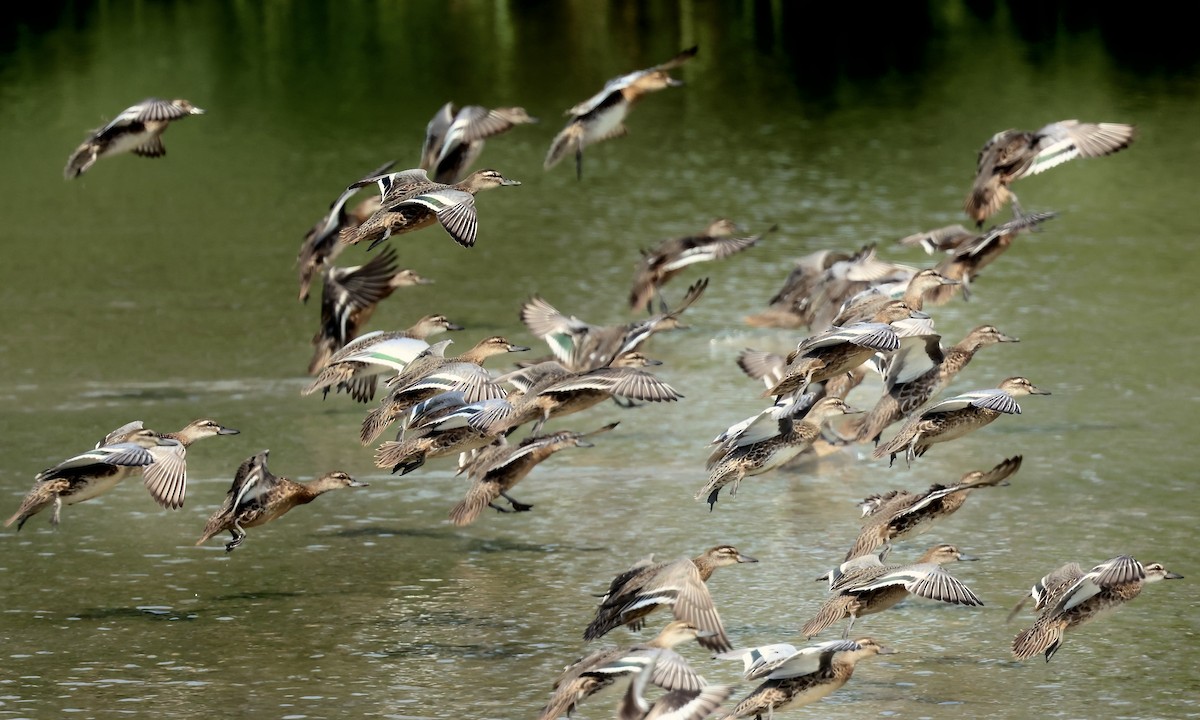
column 164, row 290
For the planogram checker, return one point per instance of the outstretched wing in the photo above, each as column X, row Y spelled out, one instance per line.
column 1118, row 571
column 166, row 477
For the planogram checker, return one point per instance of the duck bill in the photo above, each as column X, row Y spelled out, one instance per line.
column 510, row 182
column 228, row 431
column 517, row 348
column 1035, row 390
column 706, row 633
column 963, row 557
column 358, row 483
column 1008, row 338
column 918, row 315
column 453, row 326
column 887, row 651
column 1172, row 576
column 746, row 559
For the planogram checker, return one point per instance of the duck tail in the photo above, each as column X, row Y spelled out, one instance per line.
column 869, row 427
column 82, row 159
column 558, row 706
column 775, row 318
column 1043, row 637
column 33, row 504
column 833, row 610
column 565, row 698
column 606, row 619
column 868, row 541
column 376, row 422
column 400, row 455
column 349, row 236
column 215, row 525
column 893, row 446
column 997, row 475
column 848, row 431
column 322, row 351
column 567, row 141
column 479, row 496
column 330, row 375
column 20, row 517
column 985, row 199
column 712, row 489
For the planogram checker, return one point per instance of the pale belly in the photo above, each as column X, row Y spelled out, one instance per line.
column 958, row 430
column 125, row 143
column 811, row 694
column 95, row 487
column 606, row 123
column 780, row 457
column 880, row 600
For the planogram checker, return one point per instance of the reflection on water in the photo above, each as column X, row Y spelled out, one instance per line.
column 164, row 290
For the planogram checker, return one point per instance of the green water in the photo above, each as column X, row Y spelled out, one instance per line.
column 164, row 290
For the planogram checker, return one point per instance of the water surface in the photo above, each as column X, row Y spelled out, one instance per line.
column 164, row 290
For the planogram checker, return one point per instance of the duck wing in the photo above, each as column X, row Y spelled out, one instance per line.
column 1066, row 140
column 762, row 365
column 1052, row 585
column 252, row 483
column 924, row 579
column 395, row 352
column 876, row 336
column 704, row 249
column 459, row 219
column 166, row 477
column 347, row 291
column 544, row 319
column 455, row 210
column 991, row 399
column 395, row 186
column 678, row 584
column 120, row 454
column 777, row 664
column 148, row 110
column 622, row 382
column 121, row 434
column 475, row 383
column 435, row 134
column 942, row 239
column 1118, row 571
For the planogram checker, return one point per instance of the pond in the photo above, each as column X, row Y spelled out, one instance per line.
column 165, row 290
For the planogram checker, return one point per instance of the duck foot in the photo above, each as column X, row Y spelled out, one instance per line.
column 517, row 505
column 239, row 535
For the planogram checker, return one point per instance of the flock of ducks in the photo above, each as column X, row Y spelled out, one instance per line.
column 862, row 313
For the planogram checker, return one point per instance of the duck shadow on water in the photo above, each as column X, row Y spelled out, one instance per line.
column 143, row 613
column 382, row 531
column 472, row 544
column 460, row 650
column 145, row 393
column 261, row 595
column 495, row 545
